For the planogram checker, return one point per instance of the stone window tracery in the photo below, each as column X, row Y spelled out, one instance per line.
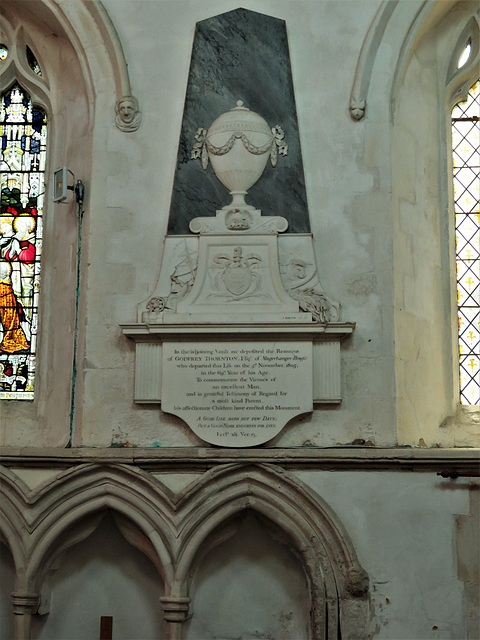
column 32, row 62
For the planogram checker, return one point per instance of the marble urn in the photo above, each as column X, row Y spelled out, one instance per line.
column 238, row 144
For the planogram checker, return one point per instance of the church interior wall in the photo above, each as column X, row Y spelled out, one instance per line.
column 356, row 233
column 7, row 587
column 81, row 589
column 426, row 348
column 110, row 505
column 65, row 96
column 402, row 525
column 361, row 278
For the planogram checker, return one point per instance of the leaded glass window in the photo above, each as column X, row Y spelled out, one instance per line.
column 466, row 179
column 23, row 129
column 32, row 61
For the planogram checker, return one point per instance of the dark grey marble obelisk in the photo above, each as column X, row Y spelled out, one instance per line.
column 240, row 55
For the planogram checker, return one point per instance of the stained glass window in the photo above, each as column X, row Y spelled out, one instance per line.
column 32, row 61
column 23, row 129
column 466, row 185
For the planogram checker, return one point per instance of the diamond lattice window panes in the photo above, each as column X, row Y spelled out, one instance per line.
column 466, row 187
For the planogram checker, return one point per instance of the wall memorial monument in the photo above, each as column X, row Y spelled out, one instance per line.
column 238, row 337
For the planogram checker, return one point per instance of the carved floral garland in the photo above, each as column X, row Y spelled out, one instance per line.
column 202, row 147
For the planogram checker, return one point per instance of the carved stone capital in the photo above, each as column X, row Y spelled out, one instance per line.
column 357, row 583
column 25, row 603
column 175, row 609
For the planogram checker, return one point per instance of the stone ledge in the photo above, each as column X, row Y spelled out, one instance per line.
column 177, row 459
column 201, row 331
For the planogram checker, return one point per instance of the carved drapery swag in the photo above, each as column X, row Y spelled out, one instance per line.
column 203, row 146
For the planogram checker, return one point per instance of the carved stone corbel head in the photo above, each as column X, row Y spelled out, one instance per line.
column 127, row 114
column 357, row 109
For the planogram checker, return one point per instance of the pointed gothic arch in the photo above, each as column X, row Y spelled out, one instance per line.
column 172, row 530
column 81, row 83
column 56, row 513
column 411, row 21
column 420, row 77
column 82, row 24
column 12, row 516
column 338, row 584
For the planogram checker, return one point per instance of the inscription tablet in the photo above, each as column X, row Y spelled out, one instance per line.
column 237, row 394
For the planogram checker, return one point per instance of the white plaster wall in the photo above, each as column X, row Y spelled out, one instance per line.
column 348, row 192
column 384, row 259
column 403, row 528
column 424, row 246
column 382, row 246
column 249, row 587
column 103, row 576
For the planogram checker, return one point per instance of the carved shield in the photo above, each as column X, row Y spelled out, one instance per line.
column 237, row 280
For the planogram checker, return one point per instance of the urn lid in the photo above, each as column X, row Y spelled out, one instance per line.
column 239, row 119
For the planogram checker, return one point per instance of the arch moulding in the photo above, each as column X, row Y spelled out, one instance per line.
column 85, row 24
column 173, row 530
column 411, row 20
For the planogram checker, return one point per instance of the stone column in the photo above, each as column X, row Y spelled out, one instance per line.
column 24, row 604
column 175, row 612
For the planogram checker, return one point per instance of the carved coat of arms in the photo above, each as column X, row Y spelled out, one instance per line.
column 236, row 277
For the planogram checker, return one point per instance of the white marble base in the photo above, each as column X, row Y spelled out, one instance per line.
column 237, row 274
column 237, row 394
column 178, row 276
column 238, row 337
column 326, row 341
